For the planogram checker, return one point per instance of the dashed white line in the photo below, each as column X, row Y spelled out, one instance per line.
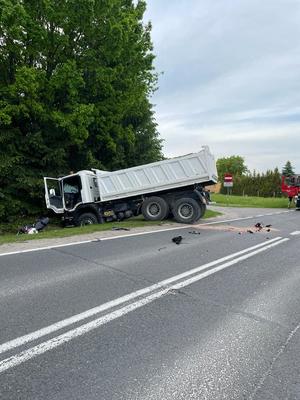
column 295, row 233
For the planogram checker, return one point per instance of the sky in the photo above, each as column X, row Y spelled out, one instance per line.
column 229, row 77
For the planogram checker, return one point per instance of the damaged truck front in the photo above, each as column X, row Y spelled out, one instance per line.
column 172, row 187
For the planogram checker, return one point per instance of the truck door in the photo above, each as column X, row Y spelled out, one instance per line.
column 71, row 187
column 53, row 196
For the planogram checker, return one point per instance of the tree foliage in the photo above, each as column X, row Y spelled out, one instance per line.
column 75, row 81
column 248, row 183
column 266, row 184
column 234, row 165
column 288, row 170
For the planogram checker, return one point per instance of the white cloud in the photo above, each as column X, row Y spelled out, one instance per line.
column 231, row 77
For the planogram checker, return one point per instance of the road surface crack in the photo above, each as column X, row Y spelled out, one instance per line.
column 131, row 277
column 227, row 308
column 281, row 350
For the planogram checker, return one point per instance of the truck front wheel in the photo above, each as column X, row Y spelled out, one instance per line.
column 155, row 208
column 86, row 219
column 187, row 210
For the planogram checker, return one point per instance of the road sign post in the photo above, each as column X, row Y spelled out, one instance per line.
column 228, row 182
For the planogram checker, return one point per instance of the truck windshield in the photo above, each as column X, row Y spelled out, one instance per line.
column 72, row 191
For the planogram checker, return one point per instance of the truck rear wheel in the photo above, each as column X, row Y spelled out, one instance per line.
column 86, row 219
column 187, row 210
column 203, row 209
column 155, row 208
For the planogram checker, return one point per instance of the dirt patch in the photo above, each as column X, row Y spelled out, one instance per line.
column 236, row 229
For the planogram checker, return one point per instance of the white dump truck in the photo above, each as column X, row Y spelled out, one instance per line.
column 172, row 187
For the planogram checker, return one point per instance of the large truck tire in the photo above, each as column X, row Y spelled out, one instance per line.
column 203, row 210
column 187, row 210
column 155, row 208
column 86, row 219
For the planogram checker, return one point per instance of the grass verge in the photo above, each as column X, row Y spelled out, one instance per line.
column 54, row 231
column 249, row 201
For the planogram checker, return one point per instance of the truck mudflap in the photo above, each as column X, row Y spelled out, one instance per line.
column 201, row 197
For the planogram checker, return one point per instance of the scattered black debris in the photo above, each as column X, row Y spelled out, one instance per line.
column 37, row 227
column 268, row 230
column 162, row 248
column 268, row 226
column 249, row 231
column 195, row 233
column 240, row 233
column 41, row 224
column 258, row 226
column 118, row 228
column 177, row 239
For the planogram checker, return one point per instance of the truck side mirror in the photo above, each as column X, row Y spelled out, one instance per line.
column 52, row 192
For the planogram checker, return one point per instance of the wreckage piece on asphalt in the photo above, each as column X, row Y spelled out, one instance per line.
column 157, row 190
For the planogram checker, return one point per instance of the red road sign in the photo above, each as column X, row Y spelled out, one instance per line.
column 228, row 180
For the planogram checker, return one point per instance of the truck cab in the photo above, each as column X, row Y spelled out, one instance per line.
column 69, row 192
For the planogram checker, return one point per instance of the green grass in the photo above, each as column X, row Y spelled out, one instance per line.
column 55, row 231
column 249, row 201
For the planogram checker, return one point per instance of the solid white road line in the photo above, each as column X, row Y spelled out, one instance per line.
column 228, row 264
column 83, row 329
column 134, row 234
column 295, row 233
column 46, row 248
column 116, row 302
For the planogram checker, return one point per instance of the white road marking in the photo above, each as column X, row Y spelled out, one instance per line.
column 134, row 234
column 85, row 328
column 113, row 303
column 46, row 248
column 295, row 233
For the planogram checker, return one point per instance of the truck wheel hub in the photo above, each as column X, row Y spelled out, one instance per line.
column 186, row 211
column 153, row 209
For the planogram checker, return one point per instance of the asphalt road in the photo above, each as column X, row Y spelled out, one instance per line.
column 139, row 317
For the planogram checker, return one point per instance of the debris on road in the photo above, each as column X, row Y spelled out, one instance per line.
column 162, row 248
column 258, row 226
column 195, row 233
column 177, row 239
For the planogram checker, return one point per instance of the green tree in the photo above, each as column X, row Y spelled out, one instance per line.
column 288, row 170
column 75, row 81
column 234, row 165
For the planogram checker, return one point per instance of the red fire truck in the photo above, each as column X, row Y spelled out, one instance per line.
column 290, row 185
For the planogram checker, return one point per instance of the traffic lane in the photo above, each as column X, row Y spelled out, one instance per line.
column 155, row 257
column 282, row 379
column 284, row 221
column 264, row 286
column 50, row 286
column 179, row 347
